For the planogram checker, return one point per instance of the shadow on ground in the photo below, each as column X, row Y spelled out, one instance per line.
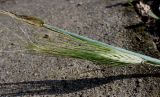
column 52, row 87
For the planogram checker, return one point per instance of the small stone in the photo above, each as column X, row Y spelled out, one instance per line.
column 79, row 4
column 139, row 80
column 12, row 43
column 45, row 36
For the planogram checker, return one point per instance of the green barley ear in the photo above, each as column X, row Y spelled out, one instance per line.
column 83, row 47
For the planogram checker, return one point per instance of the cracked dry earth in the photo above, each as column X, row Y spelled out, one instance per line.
column 27, row 75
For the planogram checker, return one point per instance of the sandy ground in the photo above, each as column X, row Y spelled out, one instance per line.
column 28, row 75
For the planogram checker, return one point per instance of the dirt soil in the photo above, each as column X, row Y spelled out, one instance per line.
column 27, row 75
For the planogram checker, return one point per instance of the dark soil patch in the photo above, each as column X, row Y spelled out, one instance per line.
column 149, row 23
column 5, row 1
